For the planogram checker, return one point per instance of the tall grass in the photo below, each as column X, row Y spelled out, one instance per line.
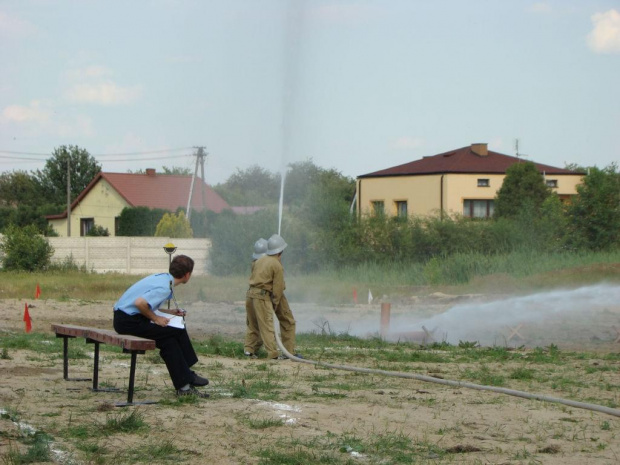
column 336, row 285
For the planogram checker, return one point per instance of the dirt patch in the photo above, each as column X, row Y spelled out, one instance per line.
column 349, row 415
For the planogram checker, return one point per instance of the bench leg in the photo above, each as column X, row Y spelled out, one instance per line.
column 65, row 359
column 132, row 377
column 96, row 387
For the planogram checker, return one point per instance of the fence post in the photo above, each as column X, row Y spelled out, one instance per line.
column 385, row 319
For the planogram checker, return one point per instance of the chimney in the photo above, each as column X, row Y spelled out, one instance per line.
column 480, row 149
column 150, row 171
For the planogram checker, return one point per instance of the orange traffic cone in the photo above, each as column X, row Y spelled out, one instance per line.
column 27, row 319
column 37, row 292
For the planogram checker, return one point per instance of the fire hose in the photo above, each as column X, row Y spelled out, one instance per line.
column 447, row 382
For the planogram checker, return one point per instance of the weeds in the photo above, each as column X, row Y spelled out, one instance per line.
column 261, row 423
column 38, row 451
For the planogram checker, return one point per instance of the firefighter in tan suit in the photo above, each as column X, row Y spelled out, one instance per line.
column 266, row 294
column 253, row 340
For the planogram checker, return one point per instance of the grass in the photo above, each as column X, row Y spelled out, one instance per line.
column 37, row 451
column 117, row 422
column 255, row 422
column 91, row 433
column 351, row 447
column 479, row 273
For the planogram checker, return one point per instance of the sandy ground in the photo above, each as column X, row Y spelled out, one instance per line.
column 478, row 427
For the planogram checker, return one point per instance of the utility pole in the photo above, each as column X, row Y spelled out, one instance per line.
column 68, row 195
column 202, row 176
column 200, row 158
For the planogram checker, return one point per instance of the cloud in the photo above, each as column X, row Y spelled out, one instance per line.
column 103, row 93
column 90, row 72
column 14, row 27
column 540, row 7
column 407, row 143
column 605, row 37
column 22, row 114
column 40, row 117
column 78, row 126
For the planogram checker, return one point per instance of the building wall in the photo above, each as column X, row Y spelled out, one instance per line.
column 131, row 255
column 460, row 187
column 103, row 203
column 423, row 192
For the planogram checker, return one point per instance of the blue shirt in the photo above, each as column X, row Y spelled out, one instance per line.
column 155, row 289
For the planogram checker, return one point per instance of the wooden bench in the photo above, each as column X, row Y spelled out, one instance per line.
column 130, row 344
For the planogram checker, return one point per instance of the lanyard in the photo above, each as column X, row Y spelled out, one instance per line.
column 176, row 304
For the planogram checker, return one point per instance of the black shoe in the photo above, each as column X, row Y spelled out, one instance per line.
column 250, row 355
column 299, row 356
column 192, row 391
column 199, row 380
column 280, row 357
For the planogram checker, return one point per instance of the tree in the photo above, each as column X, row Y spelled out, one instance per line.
column 22, row 203
column 177, row 170
column 254, row 186
column 523, row 188
column 139, row 221
column 53, row 178
column 594, row 214
column 24, row 249
column 172, row 225
column 18, row 188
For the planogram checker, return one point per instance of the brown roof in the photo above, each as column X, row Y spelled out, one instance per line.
column 166, row 191
column 462, row 160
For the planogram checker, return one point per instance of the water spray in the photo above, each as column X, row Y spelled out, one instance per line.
column 282, row 175
column 447, row 382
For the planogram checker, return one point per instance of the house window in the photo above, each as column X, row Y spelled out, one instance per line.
column 552, row 182
column 117, row 224
column 86, row 224
column 401, row 208
column 378, row 207
column 483, row 182
column 478, row 208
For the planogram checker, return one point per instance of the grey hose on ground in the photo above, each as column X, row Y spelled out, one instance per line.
column 447, row 382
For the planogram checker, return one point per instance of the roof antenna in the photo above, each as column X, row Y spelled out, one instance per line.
column 517, row 147
column 519, row 155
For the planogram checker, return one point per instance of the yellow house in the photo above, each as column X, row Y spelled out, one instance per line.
column 102, row 201
column 463, row 181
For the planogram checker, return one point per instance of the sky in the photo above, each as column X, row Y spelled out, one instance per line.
column 355, row 86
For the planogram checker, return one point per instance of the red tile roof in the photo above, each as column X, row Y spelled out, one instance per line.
column 462, row 160
column 166, row 191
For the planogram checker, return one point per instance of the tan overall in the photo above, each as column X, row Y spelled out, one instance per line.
column 266, row 292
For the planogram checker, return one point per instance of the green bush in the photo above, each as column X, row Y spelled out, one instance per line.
column 98, row 231
column 172, row 225
column 24, row 249
column 594, row 215
column 139, row 221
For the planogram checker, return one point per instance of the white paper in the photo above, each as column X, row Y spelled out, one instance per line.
column 175, row 321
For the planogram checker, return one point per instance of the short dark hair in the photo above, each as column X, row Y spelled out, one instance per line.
column 181, row 265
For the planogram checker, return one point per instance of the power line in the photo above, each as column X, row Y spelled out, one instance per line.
column 20, row 158
column 148, row 152
column 2, row 157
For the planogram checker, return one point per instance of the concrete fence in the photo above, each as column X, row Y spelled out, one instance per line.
column 131, row 255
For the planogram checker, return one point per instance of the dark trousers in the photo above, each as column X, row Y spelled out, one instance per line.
column 174, row 344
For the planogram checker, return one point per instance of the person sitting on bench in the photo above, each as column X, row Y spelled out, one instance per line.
column 134, row 314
